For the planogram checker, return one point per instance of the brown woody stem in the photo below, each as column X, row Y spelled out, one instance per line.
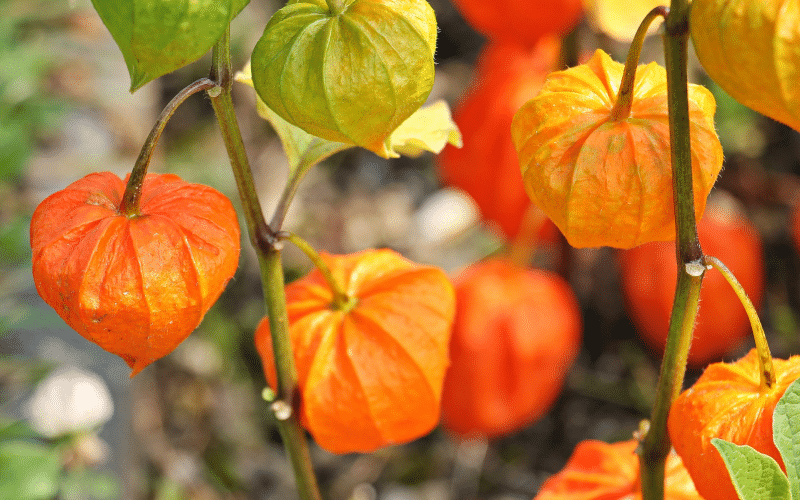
column 622, row 108
column 268, row 250
column 762, row 347
column 129, row 206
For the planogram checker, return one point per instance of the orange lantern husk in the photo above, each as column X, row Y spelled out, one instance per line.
column 516, row 335
column 602, row 471
column 370, row 374
column 486, row 167
column 727, row 402
column 752, row 50
column 607, row 181
column 648, row 274
column 522, row 22
column 137, row 286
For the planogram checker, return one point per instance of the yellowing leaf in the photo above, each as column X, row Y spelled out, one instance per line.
column 430, row 128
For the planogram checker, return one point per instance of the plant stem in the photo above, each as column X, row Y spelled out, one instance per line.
column 289, row 191
column 764, row 354
column 622, row 108
column 656, row 445
column 340, row 298
column 129, row 206
column 268, row 250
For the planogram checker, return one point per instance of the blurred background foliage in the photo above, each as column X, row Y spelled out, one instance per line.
column 194, row 425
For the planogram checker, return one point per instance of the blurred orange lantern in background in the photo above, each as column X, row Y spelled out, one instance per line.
column 521, row 21
column 727, row 402
column 370, row 371
column 486, row 167
column 649, row 274
column 517, row 332
column 602, row 471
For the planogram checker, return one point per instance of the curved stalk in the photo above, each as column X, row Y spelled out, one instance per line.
column 762, row 347
column 656, row 445
column 268, row 250
column 129, row 206
column 340, row 298
column 622, row 108
column 289, row 191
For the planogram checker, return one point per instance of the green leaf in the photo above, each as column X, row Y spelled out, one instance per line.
column 160, row 36
column 755, row 476
column 301, row 148
column 786, row 434
column 29, row 471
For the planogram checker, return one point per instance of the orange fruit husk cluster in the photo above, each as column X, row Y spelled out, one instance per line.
column 508, row 364
column 752, row 50
column 602, row 471
column 137, row 286
column 369, row 374
column 727, row 402
column 486, row 167
column 521, row 21
column 648, row 274
column 606, row 181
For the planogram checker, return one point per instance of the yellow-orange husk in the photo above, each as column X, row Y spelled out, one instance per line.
column 752, row 50
column 137, row 286
column 605, row 182
column 371, row 374
column 602, row 471
column 727, row 402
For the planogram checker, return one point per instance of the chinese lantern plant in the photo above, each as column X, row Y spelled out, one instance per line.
column 731, row 402
column 648, row 276
column 521, row 21
column 756, row 475
column 508, row 364
column 752, row 50
column 486, row 167
column 602, row 471
column 370, row 332
column 599, row 165
column 136, row 283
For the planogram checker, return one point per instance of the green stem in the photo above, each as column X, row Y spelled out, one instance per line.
column 762, row 347
column 340, row 298
column 622, row 108
column 656, row 445
column 268, row 250
column 129, row 206
column 289, row 191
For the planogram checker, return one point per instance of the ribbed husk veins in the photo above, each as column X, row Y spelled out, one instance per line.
column 727, row 402
column 351, row 76
column 607, row 182
column 752, row 50
column 135, row 286
column 370, row 374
